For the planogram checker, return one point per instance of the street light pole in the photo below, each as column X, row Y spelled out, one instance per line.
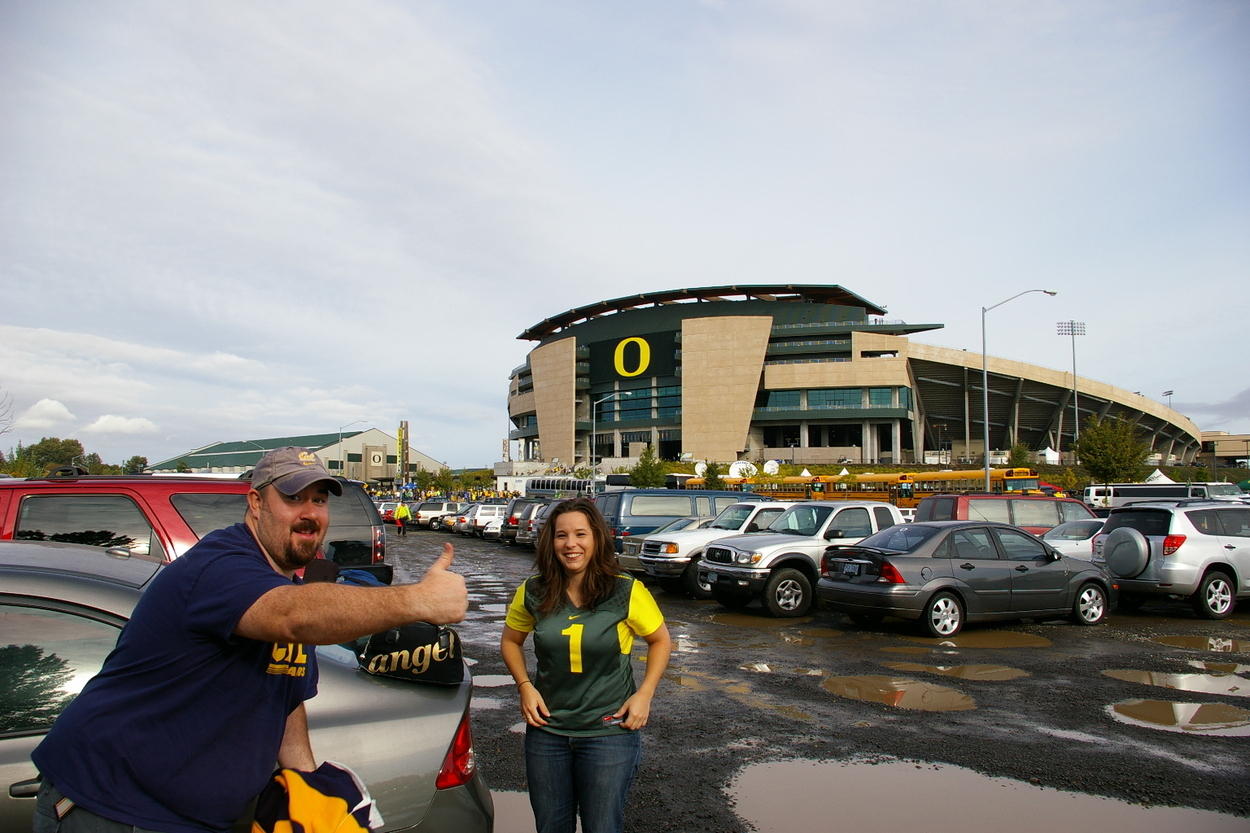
column 1073, row 329
column 985, row 380
column 342, row 455
column 593, row 424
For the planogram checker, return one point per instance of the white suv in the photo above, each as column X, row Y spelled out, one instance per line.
column 1194, row 549
column 674, row 556
column 783, row 565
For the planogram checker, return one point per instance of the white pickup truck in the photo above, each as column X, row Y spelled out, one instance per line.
column 782, row 566
column 673, row 557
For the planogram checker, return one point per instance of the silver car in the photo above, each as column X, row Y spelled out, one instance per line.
column 69, row 602
column 947, row 573
column 1074, row 538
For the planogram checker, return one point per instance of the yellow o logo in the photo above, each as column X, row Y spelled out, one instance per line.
column 644, row 356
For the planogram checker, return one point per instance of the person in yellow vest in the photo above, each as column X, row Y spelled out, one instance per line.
column 402, row 515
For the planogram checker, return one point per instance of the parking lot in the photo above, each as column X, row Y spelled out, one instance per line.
column 778, row 725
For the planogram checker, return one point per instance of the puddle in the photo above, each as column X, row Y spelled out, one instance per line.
column 1216, row 644
column 745, row 620
column 1190, row 718
column 739, row 691
column 785, row 796
column 492, row 680
column 821, row 633
column 906, row 649
column 493, row 608
column 489, row 704
column 759, row 667
column 1226, row 684
column 986, row 673
column 1219, row 667
column 987, row 639
column 900, row 692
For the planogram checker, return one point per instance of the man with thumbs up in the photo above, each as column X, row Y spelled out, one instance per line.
column 205, row 689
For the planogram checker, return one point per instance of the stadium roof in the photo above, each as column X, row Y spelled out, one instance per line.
column 245, row 452
column 804, row 293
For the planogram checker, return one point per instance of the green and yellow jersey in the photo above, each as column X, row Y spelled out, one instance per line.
column 584, row 671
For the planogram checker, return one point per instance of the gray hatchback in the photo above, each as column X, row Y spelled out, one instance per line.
column 410, row 743
column 946, row 573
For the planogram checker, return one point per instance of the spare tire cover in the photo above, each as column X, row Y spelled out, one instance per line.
column 1126, row 552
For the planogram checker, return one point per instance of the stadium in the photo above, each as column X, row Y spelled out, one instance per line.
column 801, row 373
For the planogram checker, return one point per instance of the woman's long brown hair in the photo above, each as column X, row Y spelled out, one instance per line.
column 601, row 570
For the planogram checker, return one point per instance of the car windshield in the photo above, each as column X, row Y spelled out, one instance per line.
column 801, row 520
column 733, row 517
column 900, row 538
column 1224, row 490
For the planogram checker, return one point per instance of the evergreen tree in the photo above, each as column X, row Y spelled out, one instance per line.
column 711, row 477
column 1111, row 450
column 648, row 472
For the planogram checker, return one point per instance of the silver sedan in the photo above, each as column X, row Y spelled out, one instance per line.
column 1075, row 538
column 410, row 743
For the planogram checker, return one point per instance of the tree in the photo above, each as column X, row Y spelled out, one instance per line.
column 135, row 465
column 1018, row 457
column 182, row 466
column 711, row 477
column 1111, row 450
column 51, row 452
column 444, row 481
column 647, row 473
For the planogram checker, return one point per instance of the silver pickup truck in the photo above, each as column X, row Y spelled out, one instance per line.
column 673, row 557
column 781, row 567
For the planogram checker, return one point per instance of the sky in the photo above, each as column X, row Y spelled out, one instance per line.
column 237, row 220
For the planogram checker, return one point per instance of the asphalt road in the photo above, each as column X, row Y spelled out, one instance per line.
column 1049, row 704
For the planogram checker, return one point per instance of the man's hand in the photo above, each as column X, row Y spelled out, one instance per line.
column 444, row 598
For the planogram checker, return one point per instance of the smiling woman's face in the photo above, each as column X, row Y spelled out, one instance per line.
column 574, row 541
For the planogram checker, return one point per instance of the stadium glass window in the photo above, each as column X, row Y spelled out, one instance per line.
column 822, row 398
column 881, row 397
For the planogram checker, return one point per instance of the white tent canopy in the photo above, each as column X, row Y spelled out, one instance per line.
column 1158, row 476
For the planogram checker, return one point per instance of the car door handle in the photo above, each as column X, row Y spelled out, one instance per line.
column 1023, row 568
column 967, row 566
column 1230, row 546
column 25, row 789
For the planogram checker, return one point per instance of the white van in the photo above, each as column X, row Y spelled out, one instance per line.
column 1108, row 495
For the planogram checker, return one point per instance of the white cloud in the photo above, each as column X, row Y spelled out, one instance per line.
column 113, row 424
column 44, row 415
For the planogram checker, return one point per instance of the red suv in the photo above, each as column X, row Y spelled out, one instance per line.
column 163, row 516
column 1032, row 513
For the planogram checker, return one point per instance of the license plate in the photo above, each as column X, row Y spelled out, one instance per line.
column 850, row 569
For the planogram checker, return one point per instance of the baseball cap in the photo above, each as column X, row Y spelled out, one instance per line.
column 291, row 470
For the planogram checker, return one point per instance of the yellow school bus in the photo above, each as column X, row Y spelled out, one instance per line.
column 903, row 489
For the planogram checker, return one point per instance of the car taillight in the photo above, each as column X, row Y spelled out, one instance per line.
column 460, row 762
column 379, row 546
column 1172, row 543
column 889, row 574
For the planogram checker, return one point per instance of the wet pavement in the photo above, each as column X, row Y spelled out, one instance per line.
column 777, row 725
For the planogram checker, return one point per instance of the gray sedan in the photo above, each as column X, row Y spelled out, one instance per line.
column 947, row 573
column 62, row 607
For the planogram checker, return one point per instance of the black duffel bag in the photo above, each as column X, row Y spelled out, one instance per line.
column 417, row 652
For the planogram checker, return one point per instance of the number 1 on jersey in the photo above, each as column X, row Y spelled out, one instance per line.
column 574, row 633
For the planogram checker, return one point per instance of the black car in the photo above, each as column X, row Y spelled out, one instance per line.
column 947, row 573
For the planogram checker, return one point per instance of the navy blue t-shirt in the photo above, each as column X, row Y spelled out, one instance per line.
column 181, row 727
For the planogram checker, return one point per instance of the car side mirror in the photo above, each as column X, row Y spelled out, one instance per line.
column 834, row 533
column 753, row 527
column 1053, row 555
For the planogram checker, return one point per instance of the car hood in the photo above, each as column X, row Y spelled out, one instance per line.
column 764, row 540
column 692, row 536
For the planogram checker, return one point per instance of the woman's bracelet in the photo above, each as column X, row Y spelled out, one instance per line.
column 523, row 682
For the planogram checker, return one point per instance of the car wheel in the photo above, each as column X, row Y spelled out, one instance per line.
column 1126, row 552
column 1090, row 607
column 733, row 601
column 1215, row 598
column 690, row 582
column 788, row 593
column 943, row 615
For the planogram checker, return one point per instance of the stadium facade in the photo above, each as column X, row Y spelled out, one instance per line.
column 810, row 374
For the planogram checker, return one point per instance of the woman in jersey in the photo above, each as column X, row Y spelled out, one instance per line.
column 582, row 709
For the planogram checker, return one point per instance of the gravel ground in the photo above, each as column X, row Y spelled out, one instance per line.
column 744, row 688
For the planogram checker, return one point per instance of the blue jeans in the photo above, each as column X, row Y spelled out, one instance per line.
column 78, row 820
column 586, row 777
